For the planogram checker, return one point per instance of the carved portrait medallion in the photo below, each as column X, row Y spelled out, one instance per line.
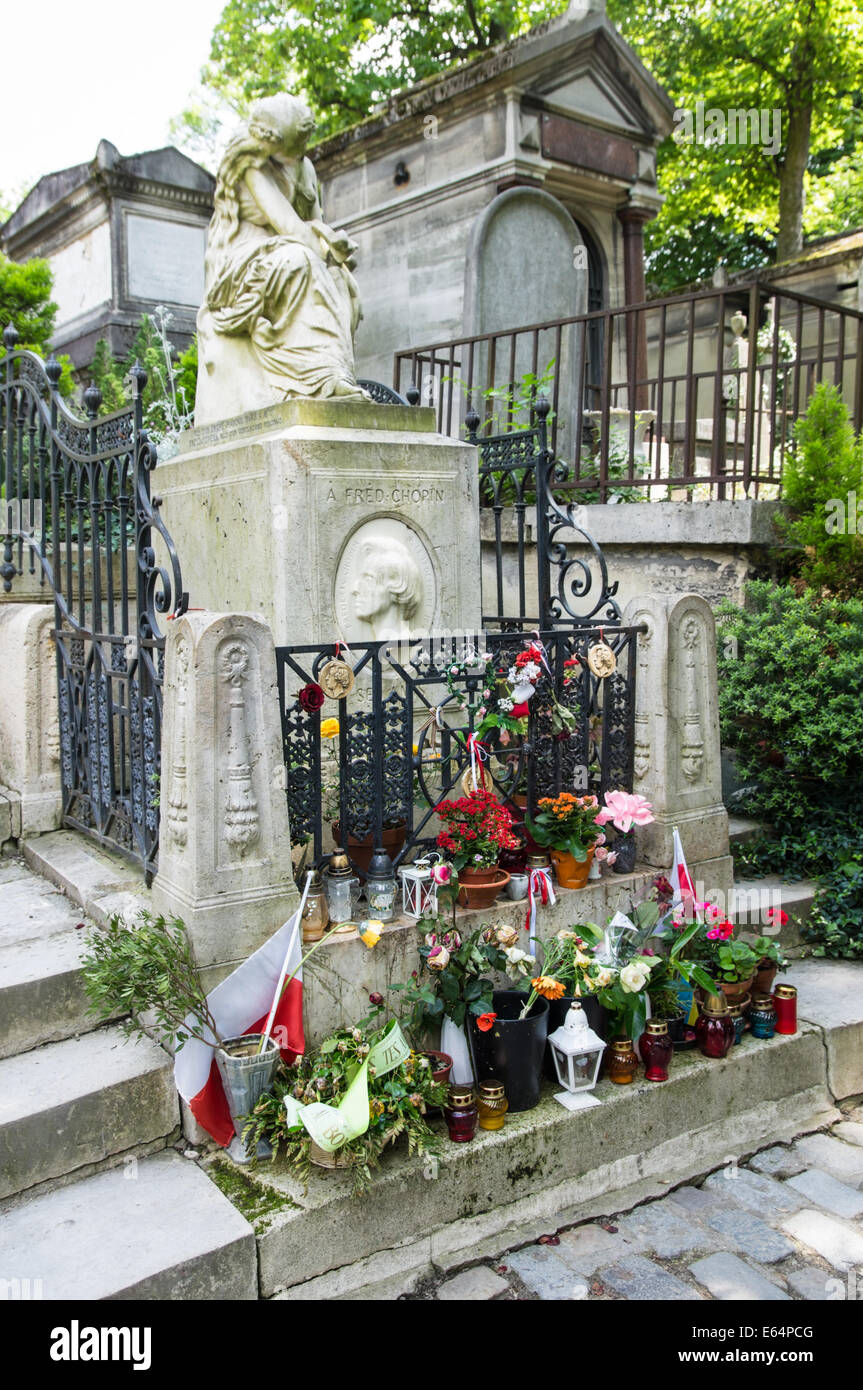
column 385, row 585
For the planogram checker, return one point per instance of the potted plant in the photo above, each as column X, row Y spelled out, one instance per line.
column 770, row 961
column 566, row 824
column 397, row 1101
column 733, row 963
column 146, row 969
column 477, row 828
column 625, row 810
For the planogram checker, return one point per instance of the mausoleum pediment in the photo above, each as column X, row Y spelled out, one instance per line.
column 591, row 96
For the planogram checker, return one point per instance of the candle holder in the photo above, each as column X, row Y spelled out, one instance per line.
column 460, row 1113
column 762, row 1017
column 622, row 1062
column 715, row 1028
column 656, row 1050
column 491, row 1104
column 785, row 1003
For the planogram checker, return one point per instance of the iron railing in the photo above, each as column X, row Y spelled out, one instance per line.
column 657, row 399
column 79, row 521
column 402, row 740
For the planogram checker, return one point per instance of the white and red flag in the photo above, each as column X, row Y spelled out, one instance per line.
column 684, row 893
column 242, row 1004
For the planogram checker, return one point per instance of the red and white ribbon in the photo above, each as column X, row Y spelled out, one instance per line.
column 478, row 756
column 540, row 645
column 538, row 884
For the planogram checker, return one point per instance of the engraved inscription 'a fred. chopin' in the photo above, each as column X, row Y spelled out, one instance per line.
column 385, row 585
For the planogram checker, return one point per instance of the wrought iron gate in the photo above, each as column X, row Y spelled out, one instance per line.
column 78, row 517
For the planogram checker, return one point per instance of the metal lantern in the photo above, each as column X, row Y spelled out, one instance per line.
column 419, row 890
column 381, row 887
column 577, row 1052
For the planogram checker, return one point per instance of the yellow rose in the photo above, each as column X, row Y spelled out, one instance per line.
column 329, row 728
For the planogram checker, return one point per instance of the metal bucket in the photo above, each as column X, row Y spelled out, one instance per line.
column 246, row 1078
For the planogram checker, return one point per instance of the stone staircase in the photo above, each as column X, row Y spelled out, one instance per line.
column 86, row 1118
column 752, row 894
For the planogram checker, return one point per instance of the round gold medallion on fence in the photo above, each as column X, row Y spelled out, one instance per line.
column 336, row 679
column 601, row 660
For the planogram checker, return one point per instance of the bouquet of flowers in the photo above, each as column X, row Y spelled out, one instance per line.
column 454, row 978
column 478, row 827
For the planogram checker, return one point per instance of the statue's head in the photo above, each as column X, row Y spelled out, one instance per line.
column 387, row 577
column 282, row 122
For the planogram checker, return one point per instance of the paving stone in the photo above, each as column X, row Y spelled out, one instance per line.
column 729, row 1278
column 665, row 1230
column 695, row 1201
column 817, row 1285
column 546, row 1274
column 828, row 1192
column 777, row 1162
column 752, row 1235
column 849, row 1130
column 476, row 1284
column 587, row 1247
column 642, row 1280
column 843, row 1161
column 837, row 1242
column 753, row 1191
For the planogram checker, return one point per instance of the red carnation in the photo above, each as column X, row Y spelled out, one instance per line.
column 311, row 697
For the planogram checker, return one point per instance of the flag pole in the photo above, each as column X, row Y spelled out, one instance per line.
column 278, row 994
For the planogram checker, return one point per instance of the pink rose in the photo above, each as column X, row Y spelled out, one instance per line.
column 441, row 873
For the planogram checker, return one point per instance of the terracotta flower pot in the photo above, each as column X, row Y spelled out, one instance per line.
column 480, row 887
column 441, row 1063
column 361, row 850
column 764, row 977
column 570, row 873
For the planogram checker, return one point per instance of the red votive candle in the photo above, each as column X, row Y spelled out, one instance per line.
column 785, row 1004
column 460, row 1113
column 715, row 1028
column 656, row 1050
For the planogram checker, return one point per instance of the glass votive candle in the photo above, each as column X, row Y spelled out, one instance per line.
column 737, row 1014
column 621, row 1061
column 715, row 1028
column 491, row 1105
column 762, row 1017
column 785, row 1004
column 460, row 1114
column 656, row 1050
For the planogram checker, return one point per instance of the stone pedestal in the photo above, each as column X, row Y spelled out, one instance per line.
column 335, row 519
column 224, row 846
column 677, row 748
column 29, row 727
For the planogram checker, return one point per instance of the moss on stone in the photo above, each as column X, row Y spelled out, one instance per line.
column 255, row 1200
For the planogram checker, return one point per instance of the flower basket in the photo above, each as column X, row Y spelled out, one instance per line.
column 513, row 1048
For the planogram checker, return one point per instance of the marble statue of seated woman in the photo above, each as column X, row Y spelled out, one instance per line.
column 281, row 305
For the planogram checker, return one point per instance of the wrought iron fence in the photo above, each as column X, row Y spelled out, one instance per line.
column 80, row 520
column 401, row 744
column 654, row 398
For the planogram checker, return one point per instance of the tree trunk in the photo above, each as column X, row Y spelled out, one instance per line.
column 789, row 241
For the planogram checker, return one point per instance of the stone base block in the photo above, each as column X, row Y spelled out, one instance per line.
column 703, row 834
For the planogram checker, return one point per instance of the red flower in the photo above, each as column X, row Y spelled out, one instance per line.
column 520, row 711
column 485, row 1021
column 311, row 697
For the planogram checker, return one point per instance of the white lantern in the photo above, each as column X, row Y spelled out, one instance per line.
column 577, row 1052
column 419, row 890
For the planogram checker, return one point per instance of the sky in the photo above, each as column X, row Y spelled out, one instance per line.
column 75, row 73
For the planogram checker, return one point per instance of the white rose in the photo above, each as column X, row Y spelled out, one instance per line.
column 603, row 978
column 634, row 977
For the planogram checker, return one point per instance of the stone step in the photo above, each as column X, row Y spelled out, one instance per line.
column 75, row 1103
column 155, row 1229
column 753, row 898
column 742, row 831
column 97, row 880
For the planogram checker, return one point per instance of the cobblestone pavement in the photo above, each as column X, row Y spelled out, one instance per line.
column 786, row 1225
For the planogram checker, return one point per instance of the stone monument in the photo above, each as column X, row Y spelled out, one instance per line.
column 296, row 495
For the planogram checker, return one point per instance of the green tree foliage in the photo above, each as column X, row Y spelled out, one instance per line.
column 728, row 202
column 790, row 677
column 169, row 395
column 822, row 480
column 346, row 58
column 26, row 303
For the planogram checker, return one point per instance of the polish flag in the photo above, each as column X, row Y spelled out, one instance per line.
column 242, row 1004
column 684, row 893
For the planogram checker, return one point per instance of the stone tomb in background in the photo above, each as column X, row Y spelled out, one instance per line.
column 336, row 520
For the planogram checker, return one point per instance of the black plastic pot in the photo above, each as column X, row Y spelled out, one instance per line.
column 624, row 847
column 595, row 1014
column 512, row 1050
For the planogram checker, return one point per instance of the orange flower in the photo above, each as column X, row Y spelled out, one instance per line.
column 548, row 987
column 485, row 1021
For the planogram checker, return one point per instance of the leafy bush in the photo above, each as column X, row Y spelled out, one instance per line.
column 836, row 922
column 824, row 468
column 790, row 680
